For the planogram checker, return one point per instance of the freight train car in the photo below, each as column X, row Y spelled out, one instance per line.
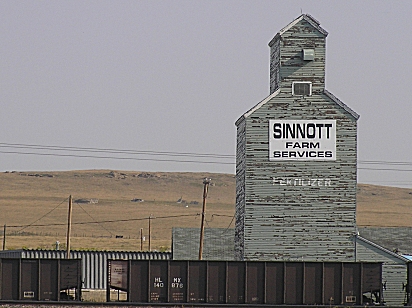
column 40, row 279
column 253, row 282
column 407, row 287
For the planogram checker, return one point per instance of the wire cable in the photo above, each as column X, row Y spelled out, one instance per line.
column 384, row 169
column 32, row 224
column 120, row 158
column 384, row 162
column 228, row 227
column 160, row 153
column 104, row 221
column 112, row 151
column 94, row 219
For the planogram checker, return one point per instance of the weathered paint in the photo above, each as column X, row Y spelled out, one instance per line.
column 250, row 283
column 393, row 238
column 275, row 221
column 286, row 63
column 218, row 244
column 394, row 269
column 94, row 263
column 39, row 279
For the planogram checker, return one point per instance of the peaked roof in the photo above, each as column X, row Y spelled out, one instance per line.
column 383, row 249
column 274, row 94
column 341, row 104
column 338, row 102
column 256, row 107
column 306, row 17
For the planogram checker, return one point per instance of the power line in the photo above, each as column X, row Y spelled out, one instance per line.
column 186, row 161
column 384, row 162
column 120, row 158
column 104, row 221
column 233, row 218
column 110, row 150
column 384, row 169
column 147, row 152
column 182, row 155
column 390, row 182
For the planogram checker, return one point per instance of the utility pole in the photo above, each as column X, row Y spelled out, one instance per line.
column 69, row 227
column 4, row 237
column 141, row 239
column 150, row 233
column 206, row 183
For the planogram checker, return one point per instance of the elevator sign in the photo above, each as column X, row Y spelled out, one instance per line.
column 302, row 140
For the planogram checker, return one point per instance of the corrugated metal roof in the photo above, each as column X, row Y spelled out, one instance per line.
column 392, row 238
column 387, row 251
column 407, row 257
column 94, row 263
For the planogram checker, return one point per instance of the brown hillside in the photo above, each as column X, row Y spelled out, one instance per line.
column 34, row 207
column 382, row 206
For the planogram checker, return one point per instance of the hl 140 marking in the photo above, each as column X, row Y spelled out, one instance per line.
column 158, row 283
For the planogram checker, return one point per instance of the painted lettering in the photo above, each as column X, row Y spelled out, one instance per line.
column 301, row 130
column 302, row 139
column 312, row 182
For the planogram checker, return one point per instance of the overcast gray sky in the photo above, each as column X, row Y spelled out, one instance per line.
column 174, row 76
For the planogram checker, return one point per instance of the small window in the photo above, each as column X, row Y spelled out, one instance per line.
column 308, row 54
column 303, row 88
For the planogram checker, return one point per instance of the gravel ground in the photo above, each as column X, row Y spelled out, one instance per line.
column 74, row 305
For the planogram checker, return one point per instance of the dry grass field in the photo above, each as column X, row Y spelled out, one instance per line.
column 34, row 206
column 382, row 206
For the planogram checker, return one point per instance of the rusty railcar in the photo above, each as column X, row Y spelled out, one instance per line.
column 40, row 279
column 407, row 287
column 249, row 282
